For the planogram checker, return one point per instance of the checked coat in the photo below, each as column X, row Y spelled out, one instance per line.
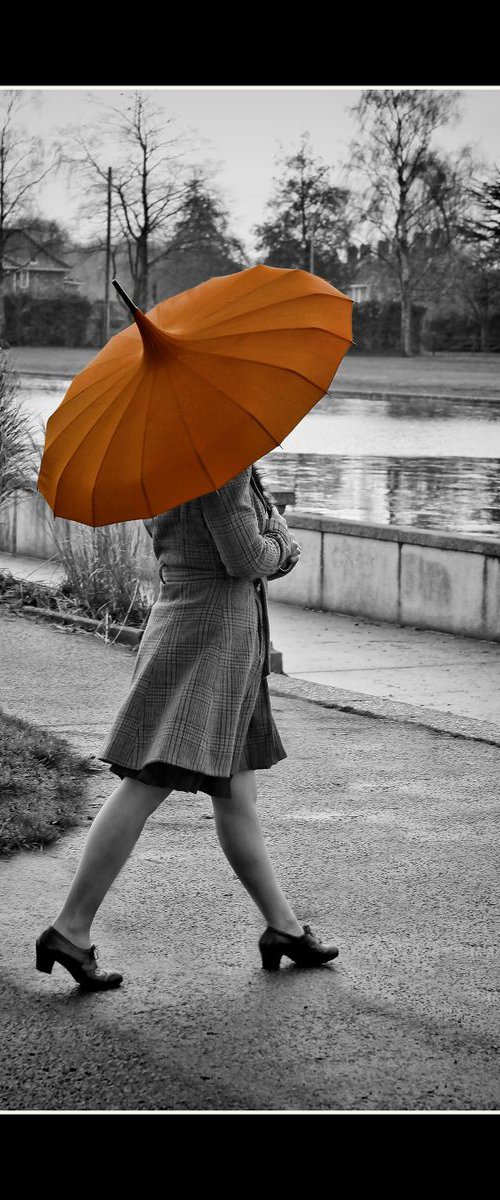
column 198, row 696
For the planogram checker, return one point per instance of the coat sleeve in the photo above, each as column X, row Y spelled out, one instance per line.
column 284, row 570
column 232, row 521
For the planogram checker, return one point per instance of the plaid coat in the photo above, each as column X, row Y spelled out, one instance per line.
column 198, row 696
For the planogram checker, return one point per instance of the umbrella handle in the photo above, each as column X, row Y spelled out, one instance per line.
column 130, row 303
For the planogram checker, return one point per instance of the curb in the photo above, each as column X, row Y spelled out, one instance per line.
column 361, row 394
column 120, row 633
column 388, row 710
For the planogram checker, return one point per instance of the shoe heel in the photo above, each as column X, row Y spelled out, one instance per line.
column 271, row 958
column 44, row 960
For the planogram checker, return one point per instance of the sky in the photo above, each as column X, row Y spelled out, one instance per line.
column 241, row 130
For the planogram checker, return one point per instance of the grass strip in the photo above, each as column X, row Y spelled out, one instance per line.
column 43, row 785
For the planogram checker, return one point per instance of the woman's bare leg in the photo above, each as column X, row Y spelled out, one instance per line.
column 112, row 836
column 240, row 835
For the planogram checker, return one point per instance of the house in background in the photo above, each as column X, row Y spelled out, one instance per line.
column 369, row 277
column 88, row 261
column 31, row 267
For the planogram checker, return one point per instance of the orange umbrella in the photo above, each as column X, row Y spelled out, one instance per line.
column 204, row 384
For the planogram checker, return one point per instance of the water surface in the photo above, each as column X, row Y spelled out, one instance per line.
column 431, row 464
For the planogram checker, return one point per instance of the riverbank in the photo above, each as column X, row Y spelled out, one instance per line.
column 458, row 376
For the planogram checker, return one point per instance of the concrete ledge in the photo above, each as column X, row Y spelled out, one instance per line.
column 447, row 587
column 360, row 576
column 424, row 578
column 361, row 393
column 404, row 534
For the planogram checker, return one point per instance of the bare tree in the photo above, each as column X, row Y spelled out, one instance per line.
column 22, row 168
column 308, row 216
column 476, row 262
column 148, row 179
column 411, row 191
column 482, row 225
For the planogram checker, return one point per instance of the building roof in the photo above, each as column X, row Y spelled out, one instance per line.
column 41, row 257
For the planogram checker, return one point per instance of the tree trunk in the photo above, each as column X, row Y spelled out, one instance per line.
column 485, row 334
column 142, row 281
column 404, row 277
column 2, row 313
column 406, row 346
column 2, row 287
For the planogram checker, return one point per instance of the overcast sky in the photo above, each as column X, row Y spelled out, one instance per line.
column 240, row 131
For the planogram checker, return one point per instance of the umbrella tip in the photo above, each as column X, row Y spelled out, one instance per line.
column 121, row 292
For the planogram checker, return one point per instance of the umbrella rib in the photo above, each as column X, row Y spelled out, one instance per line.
column 258, row 362
column 83, row 440
column 233, row 300
column 146, row 497
column 78, row 415
column 277, row 304
column 76, row 395
column 186, row 426
column 113, row 435
column 251, row 332
column 240, row 406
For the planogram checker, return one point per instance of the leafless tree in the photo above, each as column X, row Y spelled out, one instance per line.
column 149, row 178
column 476, row 260
column 23, row 165
column 308, row 217
column 410, row 192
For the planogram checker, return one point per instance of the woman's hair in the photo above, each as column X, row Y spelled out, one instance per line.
column 266, row 491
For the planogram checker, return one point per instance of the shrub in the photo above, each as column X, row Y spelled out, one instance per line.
column 16, row 433
column 454, row 330
column 377, row 327
column 102, row 576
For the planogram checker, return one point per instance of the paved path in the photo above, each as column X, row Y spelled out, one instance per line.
column 382, row 832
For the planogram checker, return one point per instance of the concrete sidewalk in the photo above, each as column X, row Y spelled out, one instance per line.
column 381, row 825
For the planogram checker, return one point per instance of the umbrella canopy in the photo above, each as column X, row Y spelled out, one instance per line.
column 201, row 386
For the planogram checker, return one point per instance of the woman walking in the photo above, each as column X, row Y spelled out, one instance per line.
column 197, row 717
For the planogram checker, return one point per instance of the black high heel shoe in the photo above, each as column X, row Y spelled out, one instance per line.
column 53, row 947
column 305, row 949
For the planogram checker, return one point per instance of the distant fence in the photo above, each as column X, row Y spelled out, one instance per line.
column 442, row 581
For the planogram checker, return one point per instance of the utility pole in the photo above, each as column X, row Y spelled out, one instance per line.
column 105, row 329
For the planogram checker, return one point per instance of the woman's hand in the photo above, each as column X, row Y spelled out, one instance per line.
column 296, row 548
column 295, row 551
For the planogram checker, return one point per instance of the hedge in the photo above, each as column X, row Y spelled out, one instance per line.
column 59, row 320
column 377, row 327
column 458, row 331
